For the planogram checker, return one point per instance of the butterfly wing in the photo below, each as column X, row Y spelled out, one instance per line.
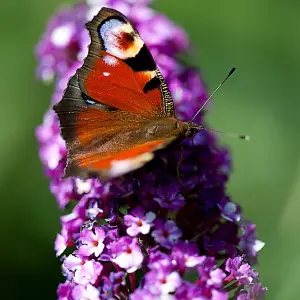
column 109, row 99
column 120, row 70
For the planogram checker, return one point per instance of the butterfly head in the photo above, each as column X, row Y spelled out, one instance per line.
column 191, row 128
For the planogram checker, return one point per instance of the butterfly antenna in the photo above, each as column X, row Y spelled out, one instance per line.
column 204, row 104
column 230, row 134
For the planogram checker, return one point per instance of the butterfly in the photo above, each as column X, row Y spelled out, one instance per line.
column 117, row 109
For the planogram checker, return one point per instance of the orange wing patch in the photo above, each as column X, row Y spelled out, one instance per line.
column 112, row 82
column 94, row 124
column 116, row 164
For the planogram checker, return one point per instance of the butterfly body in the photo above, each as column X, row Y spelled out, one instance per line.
column 117, row 109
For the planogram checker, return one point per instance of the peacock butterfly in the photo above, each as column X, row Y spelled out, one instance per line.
column 117, row 109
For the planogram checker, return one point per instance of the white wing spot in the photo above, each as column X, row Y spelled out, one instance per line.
column 111, row 33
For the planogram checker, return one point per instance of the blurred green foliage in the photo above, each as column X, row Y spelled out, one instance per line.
column 261, row 38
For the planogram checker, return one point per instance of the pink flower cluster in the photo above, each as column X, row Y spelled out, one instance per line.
column 147, row 235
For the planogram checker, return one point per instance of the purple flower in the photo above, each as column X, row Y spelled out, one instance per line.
column 88, row 292
column 190, row 291
column 61, row 242
column 72, row 222
column 54, row 149
column 142, row 235
column 256, row 291
column 162, row 278
column 64, row 191
column 106, row 291
column 127, row 254
column 141, row 294
column 187, row 255
column 91, row 242
column 139, row 221
column 84, row 271
column 218, row 295
column 117, row 279
column 87, row 273
column 64, row 291
column 63, row 42
column 249, row 244
column 166, row 234
column 162, row 33
column 94, row 209
column 162, row 282
column 216, row 278
column 186, row 94
column 83, row 186
column 210, row 277
column 122, row 187
column 242, row 272
column 114, row 285
column 230, row 210
column 169, row 197
column 146, row 194
column 159, row 260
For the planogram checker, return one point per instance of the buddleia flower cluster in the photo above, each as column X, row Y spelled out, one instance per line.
column 167, row 230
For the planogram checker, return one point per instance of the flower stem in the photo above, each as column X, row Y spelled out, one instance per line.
column 231, row 287
column 132, row 281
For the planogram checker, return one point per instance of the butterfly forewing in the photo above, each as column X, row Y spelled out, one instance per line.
column 119, row 61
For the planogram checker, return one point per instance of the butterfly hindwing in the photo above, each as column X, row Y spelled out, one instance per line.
column 109, row 165
column 101, row 139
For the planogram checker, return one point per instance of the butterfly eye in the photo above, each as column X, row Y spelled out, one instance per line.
column 176, row 125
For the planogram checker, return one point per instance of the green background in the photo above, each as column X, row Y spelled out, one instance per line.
column 261, row 38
